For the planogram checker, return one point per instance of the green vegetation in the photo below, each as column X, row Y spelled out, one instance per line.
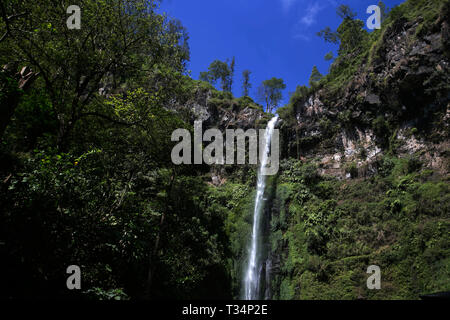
column 270, row 91
column 246, row 85
column 86, row 177
column 225, row 101
column 316, row 76
column 222, row 70
column 363, row 53
column 328, row 232
column 329, row 56
column 357, row 47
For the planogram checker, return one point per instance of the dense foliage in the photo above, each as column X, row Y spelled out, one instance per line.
column 328, row 232
column 86, row 177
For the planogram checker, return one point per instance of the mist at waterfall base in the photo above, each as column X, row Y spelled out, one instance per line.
column 253, row 272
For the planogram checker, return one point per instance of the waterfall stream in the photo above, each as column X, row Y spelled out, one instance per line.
column 252, row 277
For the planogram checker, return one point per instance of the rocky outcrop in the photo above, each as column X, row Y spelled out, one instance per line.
column 403, row 83
column 223, row 113
column 220, row 110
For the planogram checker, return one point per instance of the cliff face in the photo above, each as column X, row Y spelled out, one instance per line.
column 221, row 110
column 216, row 109
column 364, row 180
column 388, row 121
column 397, row 101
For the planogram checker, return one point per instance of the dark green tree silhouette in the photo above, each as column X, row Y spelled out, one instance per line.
column 270, row 92
column 316, row 76
column 246, row 83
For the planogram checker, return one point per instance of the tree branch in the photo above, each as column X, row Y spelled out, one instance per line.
column 8, row 20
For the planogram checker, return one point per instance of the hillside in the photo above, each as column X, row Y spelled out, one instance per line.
column 87, row 177
column 379, row 142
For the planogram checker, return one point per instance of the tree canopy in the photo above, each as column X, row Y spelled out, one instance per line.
column 350, row 34
column 222, row 70
column 87, row 117
column 246, row 85
column 315, row 76
column 271, row 92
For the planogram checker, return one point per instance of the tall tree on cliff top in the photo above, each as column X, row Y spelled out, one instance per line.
column 384, row 11
column 246, row 85
column 350, row 35
column 316, row 76
column 345, row 12
column 231, row 77
column 220, row 70
column 271, row 92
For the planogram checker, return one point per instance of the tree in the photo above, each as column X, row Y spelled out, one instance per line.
column 345, row 12
column 10, row 12
column 270, row 91
column 328, row 35
column 90, row 78
column 113, row 197
column 350, row 34
column 12, row 86
column 219, row 70
column 316, row 76
column 384, row 11
column 329, row 56
column 205, row 76
column 13, row 83
column 231, row 76
column 246, row 84
column 128, row 39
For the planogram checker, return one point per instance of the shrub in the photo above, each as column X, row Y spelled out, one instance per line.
column 309, row 173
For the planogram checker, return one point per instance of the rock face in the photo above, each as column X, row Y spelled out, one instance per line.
column 222, row 111
column 399, row 96
column 225, row 113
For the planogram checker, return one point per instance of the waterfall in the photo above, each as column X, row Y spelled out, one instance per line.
column 254, row 268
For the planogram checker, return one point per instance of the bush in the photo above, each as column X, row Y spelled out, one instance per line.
column 309, row 174
column 385, row 166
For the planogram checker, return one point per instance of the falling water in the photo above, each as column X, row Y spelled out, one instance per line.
column 255, row 265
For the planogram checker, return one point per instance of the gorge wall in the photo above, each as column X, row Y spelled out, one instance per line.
column 398, row 93
column 364, row 169
column 365, row 156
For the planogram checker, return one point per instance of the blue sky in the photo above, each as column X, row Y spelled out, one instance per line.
column 271, row 38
